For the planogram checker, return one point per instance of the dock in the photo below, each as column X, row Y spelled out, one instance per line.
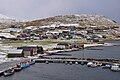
column 75, row 60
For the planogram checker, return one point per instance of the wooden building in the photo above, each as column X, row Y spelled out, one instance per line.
column 31, row 50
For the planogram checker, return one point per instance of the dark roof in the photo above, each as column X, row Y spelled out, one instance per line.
column 28, row 48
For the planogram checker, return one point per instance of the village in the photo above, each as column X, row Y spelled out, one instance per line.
column 59, row 40
column 54, row 44
column 54, row 38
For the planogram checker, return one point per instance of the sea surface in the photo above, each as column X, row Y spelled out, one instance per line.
column 112, row 52
column 53, row 71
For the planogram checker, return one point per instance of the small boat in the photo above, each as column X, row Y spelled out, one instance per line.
column 76, row 63
column 70, row 62
column 99, row 64
column 32, row 62
column 17, row 68
column 24, row 65
column 46, row 62
column 9, row 72
column 115, row 68
column 82, row 63
column 92, row 64
column 66, row 62
column 107, row 66
column 1, row 73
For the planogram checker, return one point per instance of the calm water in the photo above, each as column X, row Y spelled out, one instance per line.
column 52, row 71
column 63, row 72
column 104, row 52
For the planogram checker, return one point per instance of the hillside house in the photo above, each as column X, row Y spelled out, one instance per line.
column 7, row 36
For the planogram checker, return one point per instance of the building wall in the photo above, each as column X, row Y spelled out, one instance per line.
column 26, row 53
column 15, row 55
column 35, row 50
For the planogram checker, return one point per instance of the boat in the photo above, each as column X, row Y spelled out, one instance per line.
column 76, row 63
column 17, row 68
column 98, row 63
column 107, row 66
column 8, row 72
column 1, row 73
column 115, row 67
column 66, row 62
column 24, row 65
column 70, row 62
column 46, row 62
column 82, row 63
column 32, row 61
column 91, row 64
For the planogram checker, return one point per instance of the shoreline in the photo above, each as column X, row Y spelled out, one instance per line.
column 109, row 39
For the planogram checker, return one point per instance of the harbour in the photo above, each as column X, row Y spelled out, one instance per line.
column 49, row 40
column 59, row 67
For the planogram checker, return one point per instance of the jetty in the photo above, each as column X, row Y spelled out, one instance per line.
column 75, row 60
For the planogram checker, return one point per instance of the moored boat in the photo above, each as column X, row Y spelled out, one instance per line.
column 32, row 62
column 94, row 64
column 70, row 63
column 9, row 72
column 91, row 64
column 115, row 67
column 76, row 63
column 66, row 62
column 24, row 65
column 17, row 68
column 46, row 62
column 107, row 66
column 1, row 73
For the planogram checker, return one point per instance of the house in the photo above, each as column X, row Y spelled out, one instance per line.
column 7, row 36
column 3, row 55
column 32, row 50
column 14, row 30
column 90, row 31
column 15, row 53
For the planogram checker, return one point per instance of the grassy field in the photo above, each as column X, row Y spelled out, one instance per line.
column 40, row 42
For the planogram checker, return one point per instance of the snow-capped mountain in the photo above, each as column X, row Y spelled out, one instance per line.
column 6, row 21
column 82, row 20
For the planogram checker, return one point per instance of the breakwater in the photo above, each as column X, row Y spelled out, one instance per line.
column 74, row 60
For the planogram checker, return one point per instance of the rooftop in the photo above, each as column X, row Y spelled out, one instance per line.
column 15, row 51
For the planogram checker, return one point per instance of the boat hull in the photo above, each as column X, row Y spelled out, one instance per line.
column 1, row 73
column 115, row 68
column 6, row 73
column 17, row 69
column 25, row 66
column 33, row 62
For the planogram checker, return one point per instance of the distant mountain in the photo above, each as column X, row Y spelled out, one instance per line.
column 6, row 21
column 82, row 20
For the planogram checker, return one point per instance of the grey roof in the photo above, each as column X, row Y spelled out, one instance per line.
column 15, row 51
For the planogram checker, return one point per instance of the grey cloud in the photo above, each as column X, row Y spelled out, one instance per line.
column 32, row 9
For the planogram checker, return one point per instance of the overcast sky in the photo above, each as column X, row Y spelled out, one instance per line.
column 37, row 9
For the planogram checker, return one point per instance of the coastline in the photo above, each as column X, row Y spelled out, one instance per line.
column 109, row 39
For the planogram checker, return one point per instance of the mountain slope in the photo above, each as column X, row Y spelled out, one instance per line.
column 6, row 21
column 82, row 20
